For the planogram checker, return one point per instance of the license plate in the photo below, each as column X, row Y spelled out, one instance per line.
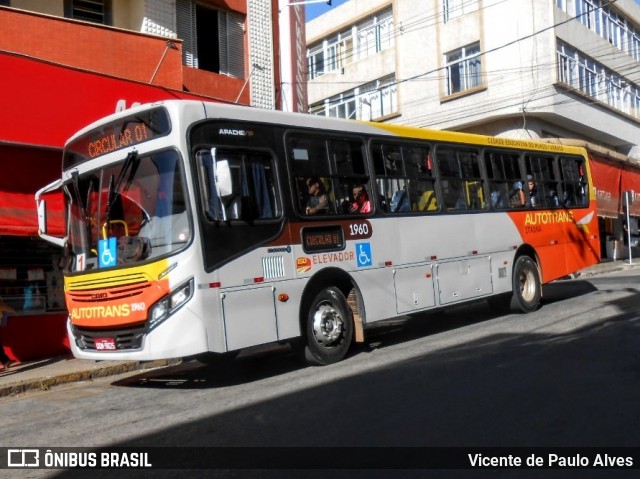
column 105, row 344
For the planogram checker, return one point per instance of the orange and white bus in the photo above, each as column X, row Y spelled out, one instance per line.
column 203, row 229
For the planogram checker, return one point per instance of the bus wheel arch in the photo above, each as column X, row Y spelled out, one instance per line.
column 328, row 321
column 526, row 281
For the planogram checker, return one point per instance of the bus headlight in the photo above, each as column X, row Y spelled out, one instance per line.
column 170, row 304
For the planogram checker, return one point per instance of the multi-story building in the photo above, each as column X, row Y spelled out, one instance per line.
column 535, row 69
column 66, row 63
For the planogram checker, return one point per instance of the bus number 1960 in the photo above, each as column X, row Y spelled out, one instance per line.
column 359, row 230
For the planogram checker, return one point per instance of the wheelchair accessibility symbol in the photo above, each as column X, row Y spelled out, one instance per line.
column 107, row 252
column 363, row 254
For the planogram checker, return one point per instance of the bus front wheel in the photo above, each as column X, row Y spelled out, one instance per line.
column 329, row 328
column 527, row 289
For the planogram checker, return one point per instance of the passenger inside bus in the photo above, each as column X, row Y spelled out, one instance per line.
column 361, row 203
column 318, row 200
column 533, row 191
column 516, row 195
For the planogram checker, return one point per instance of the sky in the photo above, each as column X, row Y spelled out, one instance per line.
column 315, row 9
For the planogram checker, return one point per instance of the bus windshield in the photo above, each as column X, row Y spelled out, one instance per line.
column 127, row 212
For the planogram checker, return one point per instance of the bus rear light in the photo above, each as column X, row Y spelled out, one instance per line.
column 434, row 257
column 475, row 251
column 259, row 279
column 215, row 284
column 428, row 275
column 283, row 297
column 388, row 263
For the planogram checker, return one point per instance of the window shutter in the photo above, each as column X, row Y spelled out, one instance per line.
column 231, row 31
column 186, row 29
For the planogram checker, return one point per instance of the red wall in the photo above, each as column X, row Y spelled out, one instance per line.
column 110, row 51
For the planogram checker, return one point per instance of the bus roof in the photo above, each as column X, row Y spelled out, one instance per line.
column 305, row 120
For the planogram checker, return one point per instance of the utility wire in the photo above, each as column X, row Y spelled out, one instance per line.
column 423, row 76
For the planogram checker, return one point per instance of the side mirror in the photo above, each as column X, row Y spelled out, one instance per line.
column 223, row 178
column 42, row 216
column 41, row 206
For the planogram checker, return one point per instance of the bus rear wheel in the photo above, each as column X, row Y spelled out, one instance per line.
column 329, row 328
column 527, row 289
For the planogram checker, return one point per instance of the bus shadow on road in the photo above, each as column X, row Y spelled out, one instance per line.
column 399, row 330
column 505, row 389
column 263, row 363
column 561, row 290
column 192, row 374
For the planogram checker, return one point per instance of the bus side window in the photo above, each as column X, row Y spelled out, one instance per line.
column 424, row 196
column 542, row 181
column 309, row 158
column 252, row 193
column 421, row 178
column 462, row 184
column 574, row 190
column 505, row 179
column 392, row 184
column 349, row 170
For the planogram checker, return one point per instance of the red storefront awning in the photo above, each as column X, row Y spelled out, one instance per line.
column 24, row 171
column 631, row 182
column 606, row 178
column 43, row 104
column 18, row 215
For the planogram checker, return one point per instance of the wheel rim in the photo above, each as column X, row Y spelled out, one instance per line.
column 527, row 285
column 328, row 325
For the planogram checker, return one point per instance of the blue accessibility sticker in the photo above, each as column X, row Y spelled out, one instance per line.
column 363, row 254
column 107, row 251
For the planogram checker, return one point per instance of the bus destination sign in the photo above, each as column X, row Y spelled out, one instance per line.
column 322, row 238
column 116, row 135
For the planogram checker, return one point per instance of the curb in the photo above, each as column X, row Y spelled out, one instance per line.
column 43, row 384
column 610, row 269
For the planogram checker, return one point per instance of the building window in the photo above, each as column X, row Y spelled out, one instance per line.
column 596, row 81
column 213, row 40
column 602, row 19
column 96, row 11
column 361, row 40
column 463, row 69
column 367, row 102
column 374, row 35
column 456, row 8
column 331, row 55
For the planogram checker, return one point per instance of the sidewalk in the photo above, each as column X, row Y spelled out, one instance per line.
column 46, row 373
column 608, row 266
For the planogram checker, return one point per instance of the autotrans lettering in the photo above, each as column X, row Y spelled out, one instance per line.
column 115, row 311
column 548, row 217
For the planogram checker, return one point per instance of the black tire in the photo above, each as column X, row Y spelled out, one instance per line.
column 328, row 328
column 527, row 289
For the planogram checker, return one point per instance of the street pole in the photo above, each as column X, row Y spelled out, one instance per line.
column 627, row 194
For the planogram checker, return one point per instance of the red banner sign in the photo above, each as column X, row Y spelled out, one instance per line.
column 606, row 178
